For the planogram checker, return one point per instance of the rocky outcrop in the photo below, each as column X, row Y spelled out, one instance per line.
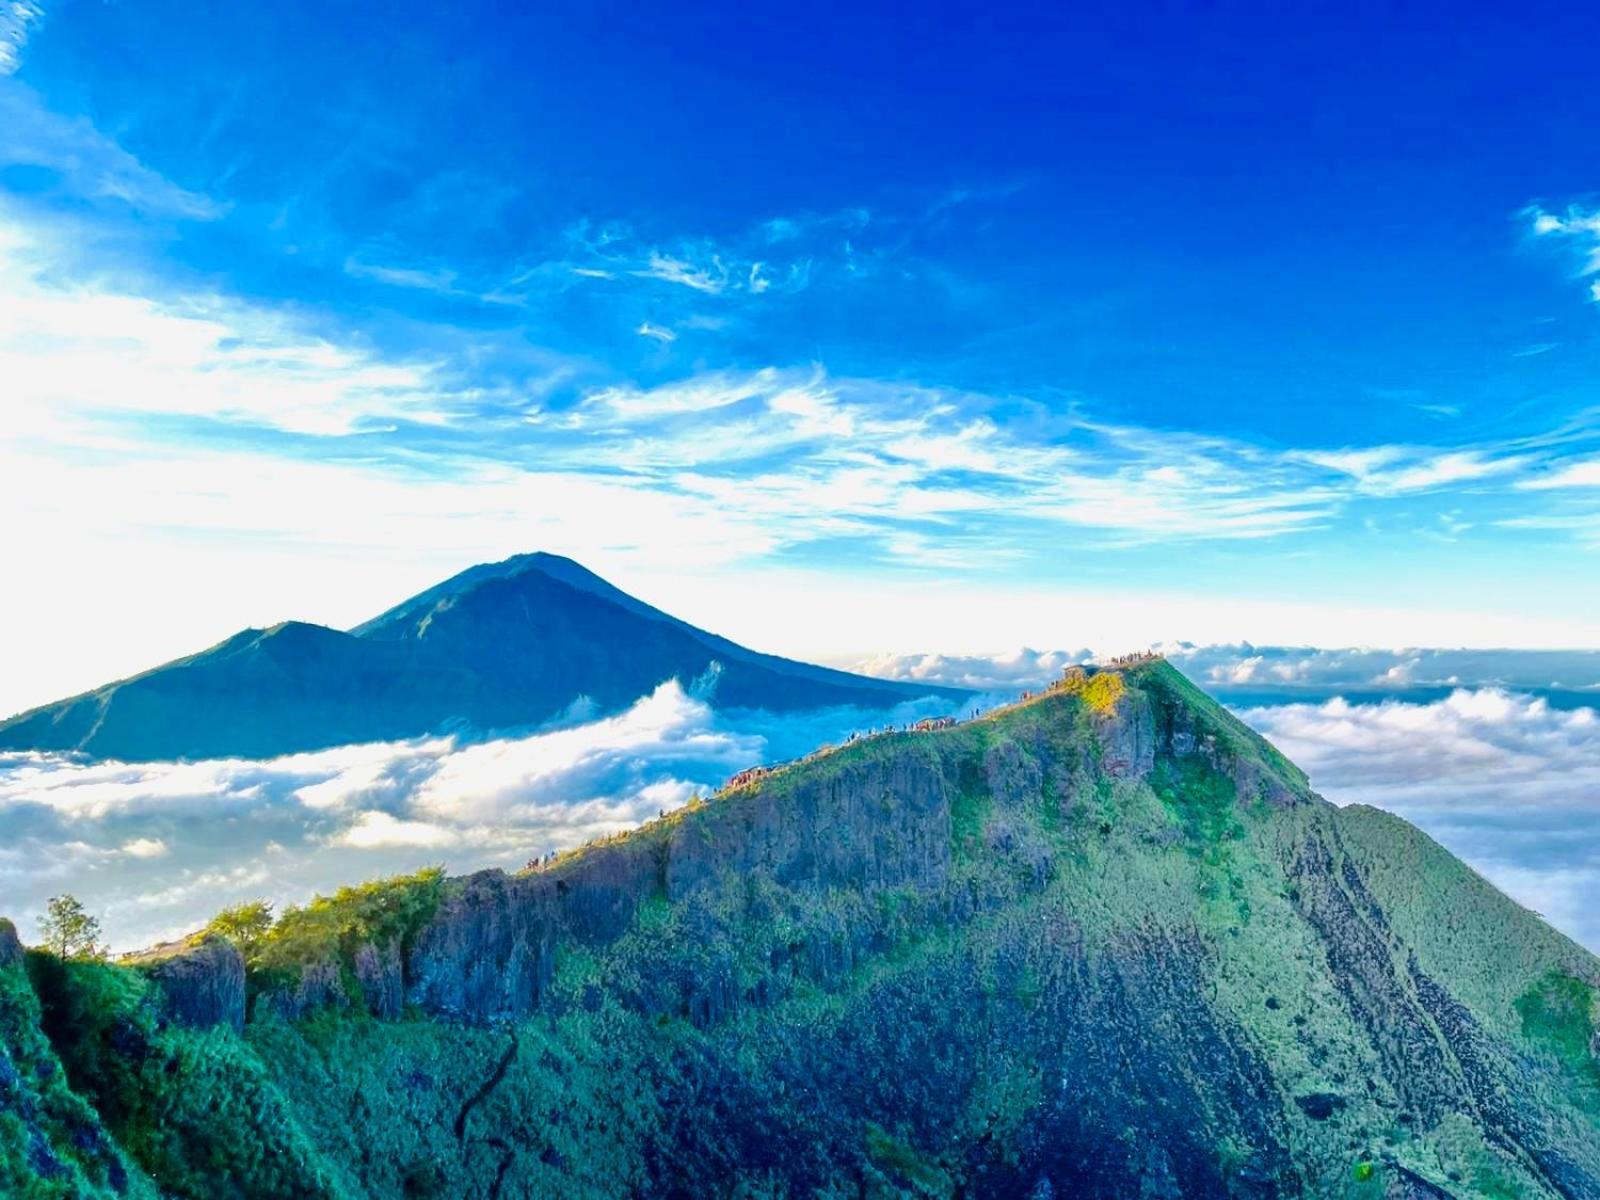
column 202, row 985
column 320, row 985
column 10, row 945
column 379, row 975
column 489, row 953
column 1130, row 737
column 1185, row 727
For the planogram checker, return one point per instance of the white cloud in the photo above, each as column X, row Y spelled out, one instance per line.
column 145, row 847
column 91, row 164
column 1578, row 227
column 1017, row 670
column 1567, row 475
column 157, row 848
column 1484, row 745
column 1505, row 780
column 77, row 349
column 1306, row 671
column 709, row 276
column 378, row 830
column 426, row 279
column 720, row 269
column 16, row 18
column 659, row 333
column 1398, row 470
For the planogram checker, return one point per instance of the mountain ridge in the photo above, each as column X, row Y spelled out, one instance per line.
column 1105, row 942
column 499, row 646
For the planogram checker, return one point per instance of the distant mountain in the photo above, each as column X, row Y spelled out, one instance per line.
column 499, row 646
column 1105, row 943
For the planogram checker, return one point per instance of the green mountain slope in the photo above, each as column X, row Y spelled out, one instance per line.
column 499, row 646
column 1103, row 943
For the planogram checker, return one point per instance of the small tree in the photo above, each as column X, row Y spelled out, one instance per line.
column 69, row 931
column 245, row 925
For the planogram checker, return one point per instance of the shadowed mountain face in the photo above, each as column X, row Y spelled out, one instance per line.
column 500, row 646
column 1102, row 944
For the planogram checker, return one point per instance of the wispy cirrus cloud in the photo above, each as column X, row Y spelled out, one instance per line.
column 659, row 333
column 77, row 342
column 16, row 19
column 1578, row 227
column 874, row 449
column 435, row 279
column 752, row 263
column 82, row 161
column 1389, row 470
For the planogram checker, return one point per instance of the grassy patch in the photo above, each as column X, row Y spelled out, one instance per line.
column 1558, row 1012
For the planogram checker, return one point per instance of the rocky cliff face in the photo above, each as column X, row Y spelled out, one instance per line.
column 201, row 985
column 1106, row 943
column 490, row 953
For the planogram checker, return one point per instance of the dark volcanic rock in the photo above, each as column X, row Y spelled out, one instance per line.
column 378, row 972
column 489, row 952
column 321, row 985
column 1319, row 1106
column 203, row 985
column 1130, row 736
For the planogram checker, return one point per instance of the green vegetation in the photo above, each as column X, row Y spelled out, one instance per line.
column 52, row 1143
column 334, row 927
column 1559, row 1012
column 190, row 1107
column 68, row 931
column 247, row 926
column 1101, row 938
column 1100, row 692
column 904, row 1165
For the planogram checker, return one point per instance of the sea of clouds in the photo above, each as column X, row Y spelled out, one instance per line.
column 1496, row 754
column 156, row 848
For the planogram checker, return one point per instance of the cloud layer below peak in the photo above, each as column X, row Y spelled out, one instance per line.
column 157, row 848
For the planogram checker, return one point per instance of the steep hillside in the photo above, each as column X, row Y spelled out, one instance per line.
column 1103, row 943
column 499, row 646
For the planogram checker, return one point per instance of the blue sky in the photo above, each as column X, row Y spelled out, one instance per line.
column 836, row 331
